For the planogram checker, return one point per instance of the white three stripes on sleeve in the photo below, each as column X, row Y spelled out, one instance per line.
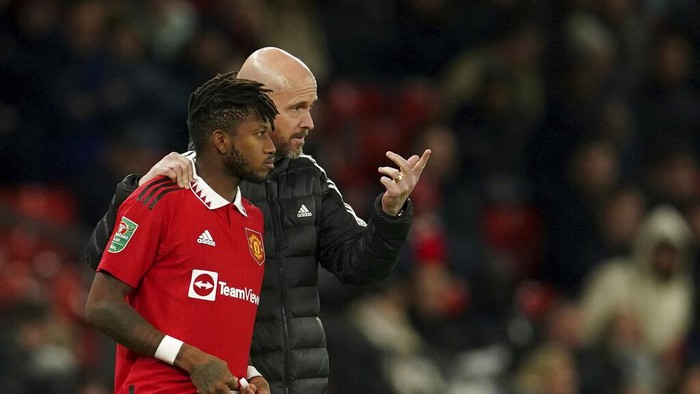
column 332, row 185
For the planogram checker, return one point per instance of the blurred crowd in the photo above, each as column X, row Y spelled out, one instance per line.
column 557, row 225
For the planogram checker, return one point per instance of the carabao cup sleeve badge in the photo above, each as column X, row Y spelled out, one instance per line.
column 122, row 236
column 255, row 245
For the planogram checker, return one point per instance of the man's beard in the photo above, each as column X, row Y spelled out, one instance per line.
column 295, row 153
column 284, row 147
column 236, row 166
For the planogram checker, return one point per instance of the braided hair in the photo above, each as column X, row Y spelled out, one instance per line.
column 222, row 103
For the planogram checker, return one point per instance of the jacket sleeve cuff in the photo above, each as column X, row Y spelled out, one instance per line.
column 406, row 211
column 392, row 227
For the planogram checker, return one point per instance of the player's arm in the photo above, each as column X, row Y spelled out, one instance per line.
column 108, row 310
column 175, row 166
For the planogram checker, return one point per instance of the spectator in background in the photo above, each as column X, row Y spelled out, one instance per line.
column 674, row 178
column 617, row 124
column 491, row 122
column 547, row 370
column 629, row 28
column 170, row 24
column 36, row 351
column 392, row 343
column 572, row 233
column 515, row 52
column 620, row 218
column 692, row 213
column 618, row 361
column 652, row 287
column 445, row 233
column 584, row 64
column 667, row 103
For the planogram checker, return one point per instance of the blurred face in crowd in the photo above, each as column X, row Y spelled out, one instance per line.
column 665, row 260
column 673, row 59
column 675, row 177
column 595, row 167
column 294, row 92
column 622, row 217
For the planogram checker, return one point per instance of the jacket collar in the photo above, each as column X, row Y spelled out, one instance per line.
column 280, row 167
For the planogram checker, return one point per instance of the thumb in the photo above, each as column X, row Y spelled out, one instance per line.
column 232, row 383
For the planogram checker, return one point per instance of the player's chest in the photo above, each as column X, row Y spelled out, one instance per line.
column 214, row 239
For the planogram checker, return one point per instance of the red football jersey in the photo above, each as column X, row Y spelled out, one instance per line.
column 195, row 262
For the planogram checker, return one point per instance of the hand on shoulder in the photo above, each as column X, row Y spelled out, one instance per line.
column 177, row 167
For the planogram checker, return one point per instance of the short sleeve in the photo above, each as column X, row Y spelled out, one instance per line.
column 133, row 245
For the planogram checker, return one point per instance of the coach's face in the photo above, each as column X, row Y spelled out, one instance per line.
column 294, row 96
column 252, row 155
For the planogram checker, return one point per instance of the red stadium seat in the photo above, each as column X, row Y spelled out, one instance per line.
column 516, row 230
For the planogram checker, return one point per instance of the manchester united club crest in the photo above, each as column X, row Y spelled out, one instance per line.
column 255, row 245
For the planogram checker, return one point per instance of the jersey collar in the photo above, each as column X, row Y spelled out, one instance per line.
column 209, row 197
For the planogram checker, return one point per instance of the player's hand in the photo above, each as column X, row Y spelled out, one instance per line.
column 175, row 166
column 209, row 374
column 399, row 183
column 259, row 385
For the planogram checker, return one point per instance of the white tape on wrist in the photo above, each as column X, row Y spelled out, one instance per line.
column 168, row 349
column 252, row 372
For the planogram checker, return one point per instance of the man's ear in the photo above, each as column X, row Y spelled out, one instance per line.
column 221, row 141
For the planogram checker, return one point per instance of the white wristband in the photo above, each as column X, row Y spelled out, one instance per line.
column 252, row 372
column 168, row 349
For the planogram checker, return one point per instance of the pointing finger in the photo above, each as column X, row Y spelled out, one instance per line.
column 420, row 166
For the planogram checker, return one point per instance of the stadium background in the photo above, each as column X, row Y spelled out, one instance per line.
column 556, row 127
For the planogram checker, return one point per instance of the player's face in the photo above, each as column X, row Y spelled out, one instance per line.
column 252, row 156
column 294, row 121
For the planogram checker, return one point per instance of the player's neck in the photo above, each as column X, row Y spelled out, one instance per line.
column 218, row 179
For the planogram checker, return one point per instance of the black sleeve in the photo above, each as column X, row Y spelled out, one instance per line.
column 356, row 252
column 100, row 236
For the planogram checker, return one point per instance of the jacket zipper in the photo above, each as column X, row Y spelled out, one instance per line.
column 283, row 292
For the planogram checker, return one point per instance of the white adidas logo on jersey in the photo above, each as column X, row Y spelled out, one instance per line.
column 206, row 239
column 303, row 212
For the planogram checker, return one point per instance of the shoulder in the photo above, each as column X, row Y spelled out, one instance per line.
column 306, row 162
column 309, row 167
column 157, row 192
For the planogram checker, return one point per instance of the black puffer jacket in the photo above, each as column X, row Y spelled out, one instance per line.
column 306, row 223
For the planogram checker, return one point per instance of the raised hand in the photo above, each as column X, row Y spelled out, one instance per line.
column 399, row 183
